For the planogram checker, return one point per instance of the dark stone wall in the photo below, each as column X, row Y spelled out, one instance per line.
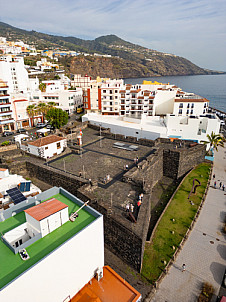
column 55, row 177
column 170, row 163
column 120, row 240
column 189, row 159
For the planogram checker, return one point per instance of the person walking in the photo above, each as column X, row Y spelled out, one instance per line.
column 183, row 267
column 215, row 184
column 220, row 184
column 223, row 187
column 213, row 176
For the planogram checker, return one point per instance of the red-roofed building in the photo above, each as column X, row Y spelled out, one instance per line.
column 47, row 216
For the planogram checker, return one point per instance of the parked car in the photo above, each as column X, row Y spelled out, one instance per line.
column 21, row 130
column 49, row 127
column 40, row 125
column 7, row 133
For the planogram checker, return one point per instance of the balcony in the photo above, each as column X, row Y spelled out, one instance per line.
column 5, row 112
column 122, row 102
column 122, row 107
column 123, row 96
column 3, row 95
column 6, row 121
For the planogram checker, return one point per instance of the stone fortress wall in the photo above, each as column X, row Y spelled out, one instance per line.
column 127, row 239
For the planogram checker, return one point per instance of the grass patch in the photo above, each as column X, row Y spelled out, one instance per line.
column 181, row 210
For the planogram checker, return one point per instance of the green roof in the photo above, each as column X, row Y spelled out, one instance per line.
column 12, row 265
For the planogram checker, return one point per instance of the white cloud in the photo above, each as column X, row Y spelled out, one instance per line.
column 193, row 29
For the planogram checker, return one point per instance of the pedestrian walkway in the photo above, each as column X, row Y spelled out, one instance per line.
column 204, row 252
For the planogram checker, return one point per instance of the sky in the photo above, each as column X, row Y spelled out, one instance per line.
column 194, row 29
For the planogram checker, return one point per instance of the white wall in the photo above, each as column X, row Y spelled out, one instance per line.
column 62, row 273
column 164, row 101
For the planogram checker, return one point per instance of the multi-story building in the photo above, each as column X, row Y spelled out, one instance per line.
column 6, row 115
column 57, row 245
column 67, row 100
column 12, row 71
column 82, row 82
column 190, row 104
column 103, row 96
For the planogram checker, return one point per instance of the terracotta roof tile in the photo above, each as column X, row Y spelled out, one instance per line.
column 43, row 141
column 46, row 209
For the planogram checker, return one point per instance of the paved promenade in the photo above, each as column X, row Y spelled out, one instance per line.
column 204, row 252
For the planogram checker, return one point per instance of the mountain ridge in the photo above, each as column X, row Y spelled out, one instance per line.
column 127, row 59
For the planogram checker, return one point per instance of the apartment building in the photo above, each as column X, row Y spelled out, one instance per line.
column 67, row 100
column 6, row 115
column 103, row 96
column 190, row 104
column 13, row 72
column 80, row 81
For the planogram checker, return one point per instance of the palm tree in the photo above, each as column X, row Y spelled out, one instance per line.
column 214, row 140
column 31, row 110
column 51, row 105
column 42, row 109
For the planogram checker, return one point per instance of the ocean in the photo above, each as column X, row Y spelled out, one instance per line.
column 212, row 87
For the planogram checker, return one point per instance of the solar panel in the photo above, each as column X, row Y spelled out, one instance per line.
column 16, row 195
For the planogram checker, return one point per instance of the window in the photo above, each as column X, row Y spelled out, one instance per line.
column 104, row 91
column 192, row 105
column 191, row 111
column 180, row 111
column 188, row 106
column 116, row 91
column 46, row 148
column 181, row 105
column 58, row 145
column 187, row 112
column 111, row 92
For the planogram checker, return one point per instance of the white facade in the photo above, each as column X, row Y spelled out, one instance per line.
column 152, row 127
column 63, row 272
column 12, row 71
column 6, row 114
column 195, row 128
column 67, row 100
column 45, row 149
column 80, row 81
column 20, row 113
column 48, row 224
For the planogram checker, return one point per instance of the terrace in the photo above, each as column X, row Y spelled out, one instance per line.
column 12, row 265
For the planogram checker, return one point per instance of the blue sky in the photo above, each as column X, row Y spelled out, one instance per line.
column 194, row 29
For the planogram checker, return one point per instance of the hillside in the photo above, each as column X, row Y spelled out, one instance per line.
column 128, row 59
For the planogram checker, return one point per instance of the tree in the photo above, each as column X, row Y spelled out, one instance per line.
column 42, row 108
column 57, row 117
column 214, row 140
column 42, row 87
column 31, row 111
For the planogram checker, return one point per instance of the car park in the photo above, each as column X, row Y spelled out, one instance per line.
column 7, row 133
column 21, row 130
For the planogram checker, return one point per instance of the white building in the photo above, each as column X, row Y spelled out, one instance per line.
column 103, row 96
column 6, row 114
column 80, row 81
column 62, row 262
column 45, row 147
column 152, row 127
column 67, row 100
column 12, row 71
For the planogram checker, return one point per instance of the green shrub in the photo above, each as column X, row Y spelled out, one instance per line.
column 6, row 143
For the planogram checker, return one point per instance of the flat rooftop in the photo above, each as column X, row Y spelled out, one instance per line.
column 110, row 288
column 12, row 265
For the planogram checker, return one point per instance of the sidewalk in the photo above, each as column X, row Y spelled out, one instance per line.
column 204, row 252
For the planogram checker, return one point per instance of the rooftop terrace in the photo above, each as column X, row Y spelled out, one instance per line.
column 12, row 265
